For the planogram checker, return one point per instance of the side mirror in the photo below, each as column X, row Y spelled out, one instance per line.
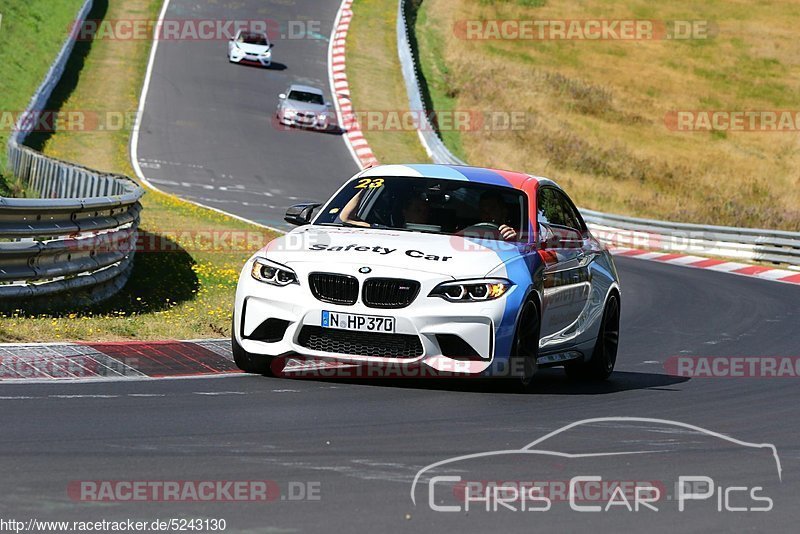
column 547, row 238
column 559, row 237
column 300, row 214
column 282, row 96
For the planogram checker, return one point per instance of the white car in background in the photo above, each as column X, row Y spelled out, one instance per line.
column 305, row 107
column 250, row 47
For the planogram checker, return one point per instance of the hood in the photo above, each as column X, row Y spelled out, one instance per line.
column 445, row 255
column 304, row 106
column 253, row 48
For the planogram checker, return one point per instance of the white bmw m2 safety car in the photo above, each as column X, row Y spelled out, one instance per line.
column 251, row 47
column 451, row 269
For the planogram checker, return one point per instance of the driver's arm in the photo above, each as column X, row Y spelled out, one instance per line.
column 346, row 214
column 507, row 233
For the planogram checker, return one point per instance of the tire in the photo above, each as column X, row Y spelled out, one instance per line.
column 604, row 355
column 525, row 347
column 251, row 363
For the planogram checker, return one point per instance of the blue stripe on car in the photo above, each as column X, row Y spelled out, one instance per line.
column 484, row 176
column 519, row 267
column 437, row 171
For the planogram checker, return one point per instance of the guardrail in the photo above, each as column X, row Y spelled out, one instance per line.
column 430, row 140
column 773, row 246
column 79, row 235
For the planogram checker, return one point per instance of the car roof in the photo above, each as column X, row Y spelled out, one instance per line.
column 304, row 88
column 481, row 175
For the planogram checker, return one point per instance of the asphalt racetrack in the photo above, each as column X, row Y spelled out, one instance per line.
column 209, row 132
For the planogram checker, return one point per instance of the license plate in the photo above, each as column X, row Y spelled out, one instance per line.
column 361, row 323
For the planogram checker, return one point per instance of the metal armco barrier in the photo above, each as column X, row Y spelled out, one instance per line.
column 434, row 146
column 79, row 235
column 773, row 246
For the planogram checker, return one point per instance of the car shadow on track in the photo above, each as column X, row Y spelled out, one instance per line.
column 330, row 130
column 547, row 382
column 274, row 66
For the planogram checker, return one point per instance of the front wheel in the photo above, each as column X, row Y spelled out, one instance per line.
column 525, row 348
column 604, row 356
column 251, row 363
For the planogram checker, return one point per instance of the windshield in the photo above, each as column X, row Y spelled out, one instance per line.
column 430, row 205
column 310, row 98
column 253, row 39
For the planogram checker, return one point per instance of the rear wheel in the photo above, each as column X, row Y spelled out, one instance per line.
column 251, row 363
column 525, row 348
column 604, row 356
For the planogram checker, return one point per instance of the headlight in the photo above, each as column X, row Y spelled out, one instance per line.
column 273, row 273
column 289, row 113
column 472, row 290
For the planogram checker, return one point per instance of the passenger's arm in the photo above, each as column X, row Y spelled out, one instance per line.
column 346, row 214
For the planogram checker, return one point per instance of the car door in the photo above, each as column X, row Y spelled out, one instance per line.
column 562, row 237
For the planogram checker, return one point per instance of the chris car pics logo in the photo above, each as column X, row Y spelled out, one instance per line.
column 476, row 482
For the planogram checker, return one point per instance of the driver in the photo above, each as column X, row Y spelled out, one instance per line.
column 493, row 210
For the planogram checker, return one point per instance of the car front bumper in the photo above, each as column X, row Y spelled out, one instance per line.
column 428, row 323
column 309, row 120
column 238, row 56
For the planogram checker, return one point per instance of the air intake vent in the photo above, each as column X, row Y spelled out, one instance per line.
column 455, row 347
column 389, row 292
column 360, row 343
column 334, row 288
column 270, row 331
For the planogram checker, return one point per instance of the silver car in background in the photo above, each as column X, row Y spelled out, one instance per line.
column 250, row 47
column 305, row 107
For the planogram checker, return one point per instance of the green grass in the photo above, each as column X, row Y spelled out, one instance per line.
column 31, row 35
column 180, row 294
column 376, row 83
column 436, row 77
column 596, row 109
